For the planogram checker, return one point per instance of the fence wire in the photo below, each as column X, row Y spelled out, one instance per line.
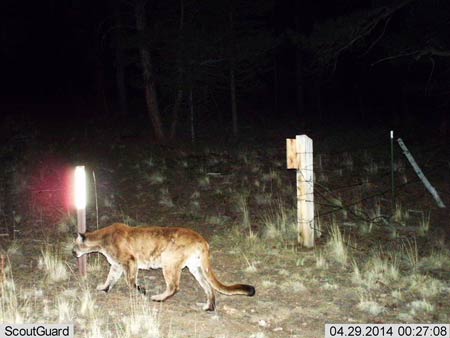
column 328, row 194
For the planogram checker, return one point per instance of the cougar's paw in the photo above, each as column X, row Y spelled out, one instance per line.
column 102, row 287
column 141, row 290
column 207, row 306
column 158, row 298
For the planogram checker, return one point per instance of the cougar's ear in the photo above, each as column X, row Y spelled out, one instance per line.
column 81, row 238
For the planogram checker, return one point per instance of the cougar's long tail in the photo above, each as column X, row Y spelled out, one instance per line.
column 236, row 289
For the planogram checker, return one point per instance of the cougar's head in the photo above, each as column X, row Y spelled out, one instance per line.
column 83, row 245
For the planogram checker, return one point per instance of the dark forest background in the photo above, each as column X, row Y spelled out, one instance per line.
column 187, row 68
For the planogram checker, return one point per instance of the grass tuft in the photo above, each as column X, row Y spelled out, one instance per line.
column 437, row 260
column 411, row 253
column 10, row 310
column 425, row 222
column 337, row 248
column 142, row 320
column 279, row 223
column 51, row 262
column 321, row 262
column 242, row 202
column 155, row 178
column 165, row 199
column 87, row 303
column 14, row 248
column 65, row 309
column 426, row 286
column 420, row 306
column 378, row 270
column 371, row 307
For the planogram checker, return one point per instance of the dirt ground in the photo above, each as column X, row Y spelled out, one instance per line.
column 231, row 197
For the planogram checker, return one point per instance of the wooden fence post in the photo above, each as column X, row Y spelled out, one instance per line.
column 300, row 157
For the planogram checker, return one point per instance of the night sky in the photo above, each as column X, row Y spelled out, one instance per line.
column 313, row 62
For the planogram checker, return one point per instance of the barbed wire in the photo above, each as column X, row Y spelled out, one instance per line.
column 362, row 215
column 347, row 207
column 430, row 170
column 401, row 186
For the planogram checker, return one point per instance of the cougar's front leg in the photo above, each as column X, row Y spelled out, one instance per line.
column 114, row 274
column 132, row 271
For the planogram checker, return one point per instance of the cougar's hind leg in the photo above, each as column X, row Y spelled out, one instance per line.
column 172, row 277
column 201, row 279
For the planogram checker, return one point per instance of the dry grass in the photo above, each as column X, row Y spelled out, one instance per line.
column 411, row 253
column 321, row 262
column 242, row 203
column 142, row 320
column 50, row 261
column 337, row 248
column 437, row 260
column 371, row 307
column 245, row 211
column 48, row 303
column 419, row 307
column 425, row 223
column 279, row 223
column 377, row 271
column 10, row 309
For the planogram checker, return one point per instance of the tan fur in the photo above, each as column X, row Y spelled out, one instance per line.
column 128, row 249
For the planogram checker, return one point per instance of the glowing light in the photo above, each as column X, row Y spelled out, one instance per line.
column 80, row 187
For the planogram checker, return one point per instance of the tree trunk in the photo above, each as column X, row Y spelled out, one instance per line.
column 175, row 112
column 191, row 115
column 102, row 99
column 180, row 75
column 299, row 82
column 444, row 128
column 234, row 116
column 232, row 62
column 151, row 98
column 319, row 107
column 299, row 79
column 120, row 67
column 275, row 84
column 360, row 103
column 404, row 110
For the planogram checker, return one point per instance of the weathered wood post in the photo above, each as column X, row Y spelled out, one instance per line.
column 80, row 204
column 300, row 157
